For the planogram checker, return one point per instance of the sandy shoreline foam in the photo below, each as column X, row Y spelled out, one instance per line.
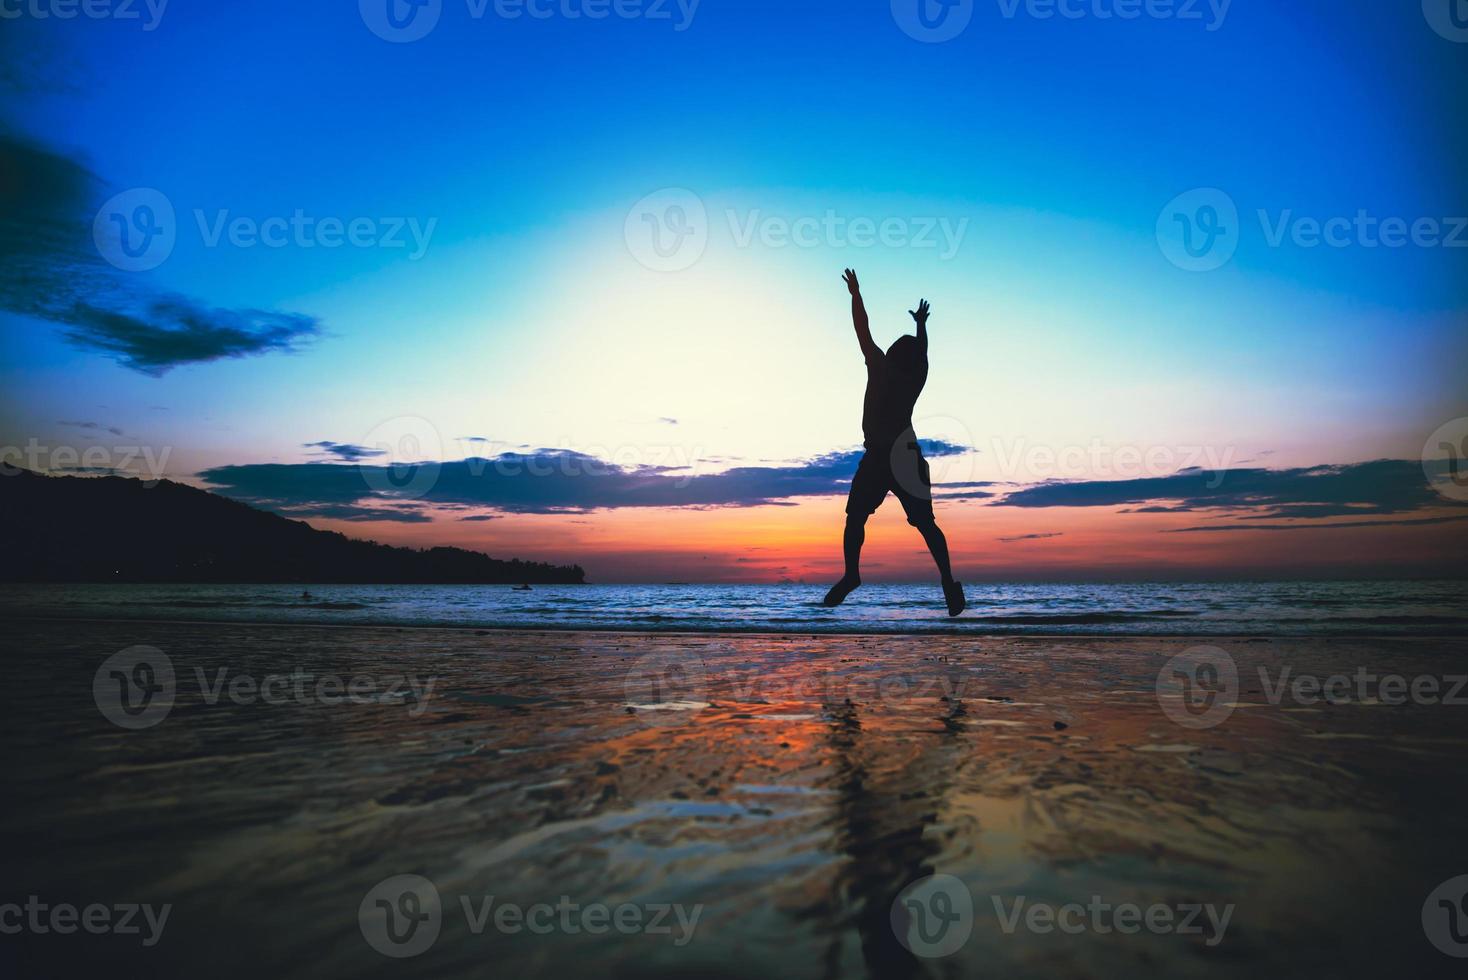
column 755, row 633
column 789, row 786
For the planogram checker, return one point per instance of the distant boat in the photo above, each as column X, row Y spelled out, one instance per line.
column 521, row 588
column 306, row 597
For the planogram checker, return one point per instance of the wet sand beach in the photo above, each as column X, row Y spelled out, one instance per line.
column 749, row 805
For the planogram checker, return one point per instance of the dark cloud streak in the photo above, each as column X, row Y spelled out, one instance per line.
column 50, row 269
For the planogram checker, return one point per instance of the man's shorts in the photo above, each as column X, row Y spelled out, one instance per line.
column 901, row 470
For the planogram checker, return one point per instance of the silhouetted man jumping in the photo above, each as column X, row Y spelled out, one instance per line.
column 893, row 460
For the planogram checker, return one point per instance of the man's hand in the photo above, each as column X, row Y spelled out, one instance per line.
column 920, row 315
column 869, row 348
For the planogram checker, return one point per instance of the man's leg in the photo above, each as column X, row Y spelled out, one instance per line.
column 915, row 491
column 868, row 490
column 851, row 541
column 938, row 546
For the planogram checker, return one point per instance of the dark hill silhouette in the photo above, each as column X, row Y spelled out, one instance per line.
column 115, row 529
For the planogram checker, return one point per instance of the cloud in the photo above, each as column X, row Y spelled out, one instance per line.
column 544, row 481
column 1321, row 525
column 481, row 517
column 92, row 425
column 1033, row 537
column 50, row 269
column 174, row 331
column 666, row 420
column 345, row 451
column 1379, row 487
column 351, row 512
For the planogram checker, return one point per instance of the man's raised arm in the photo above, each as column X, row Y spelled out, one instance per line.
column 921, row 316
column 859, row 320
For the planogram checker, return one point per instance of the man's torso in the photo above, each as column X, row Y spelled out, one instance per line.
column 890, row 396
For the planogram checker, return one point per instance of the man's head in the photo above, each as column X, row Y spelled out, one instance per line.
column 905, row 354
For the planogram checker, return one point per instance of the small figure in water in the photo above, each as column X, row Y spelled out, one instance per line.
column 306, row 596
column 893, row 461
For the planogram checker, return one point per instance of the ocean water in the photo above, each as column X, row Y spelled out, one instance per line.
column 1436, row 608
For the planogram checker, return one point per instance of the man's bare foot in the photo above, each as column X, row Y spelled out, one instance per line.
column 841, row 590
column 953, row 592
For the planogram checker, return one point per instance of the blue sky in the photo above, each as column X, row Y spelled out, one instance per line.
column 1054, row 143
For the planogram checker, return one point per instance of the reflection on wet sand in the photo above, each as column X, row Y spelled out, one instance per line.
column 887, row 796
column 786, row 788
